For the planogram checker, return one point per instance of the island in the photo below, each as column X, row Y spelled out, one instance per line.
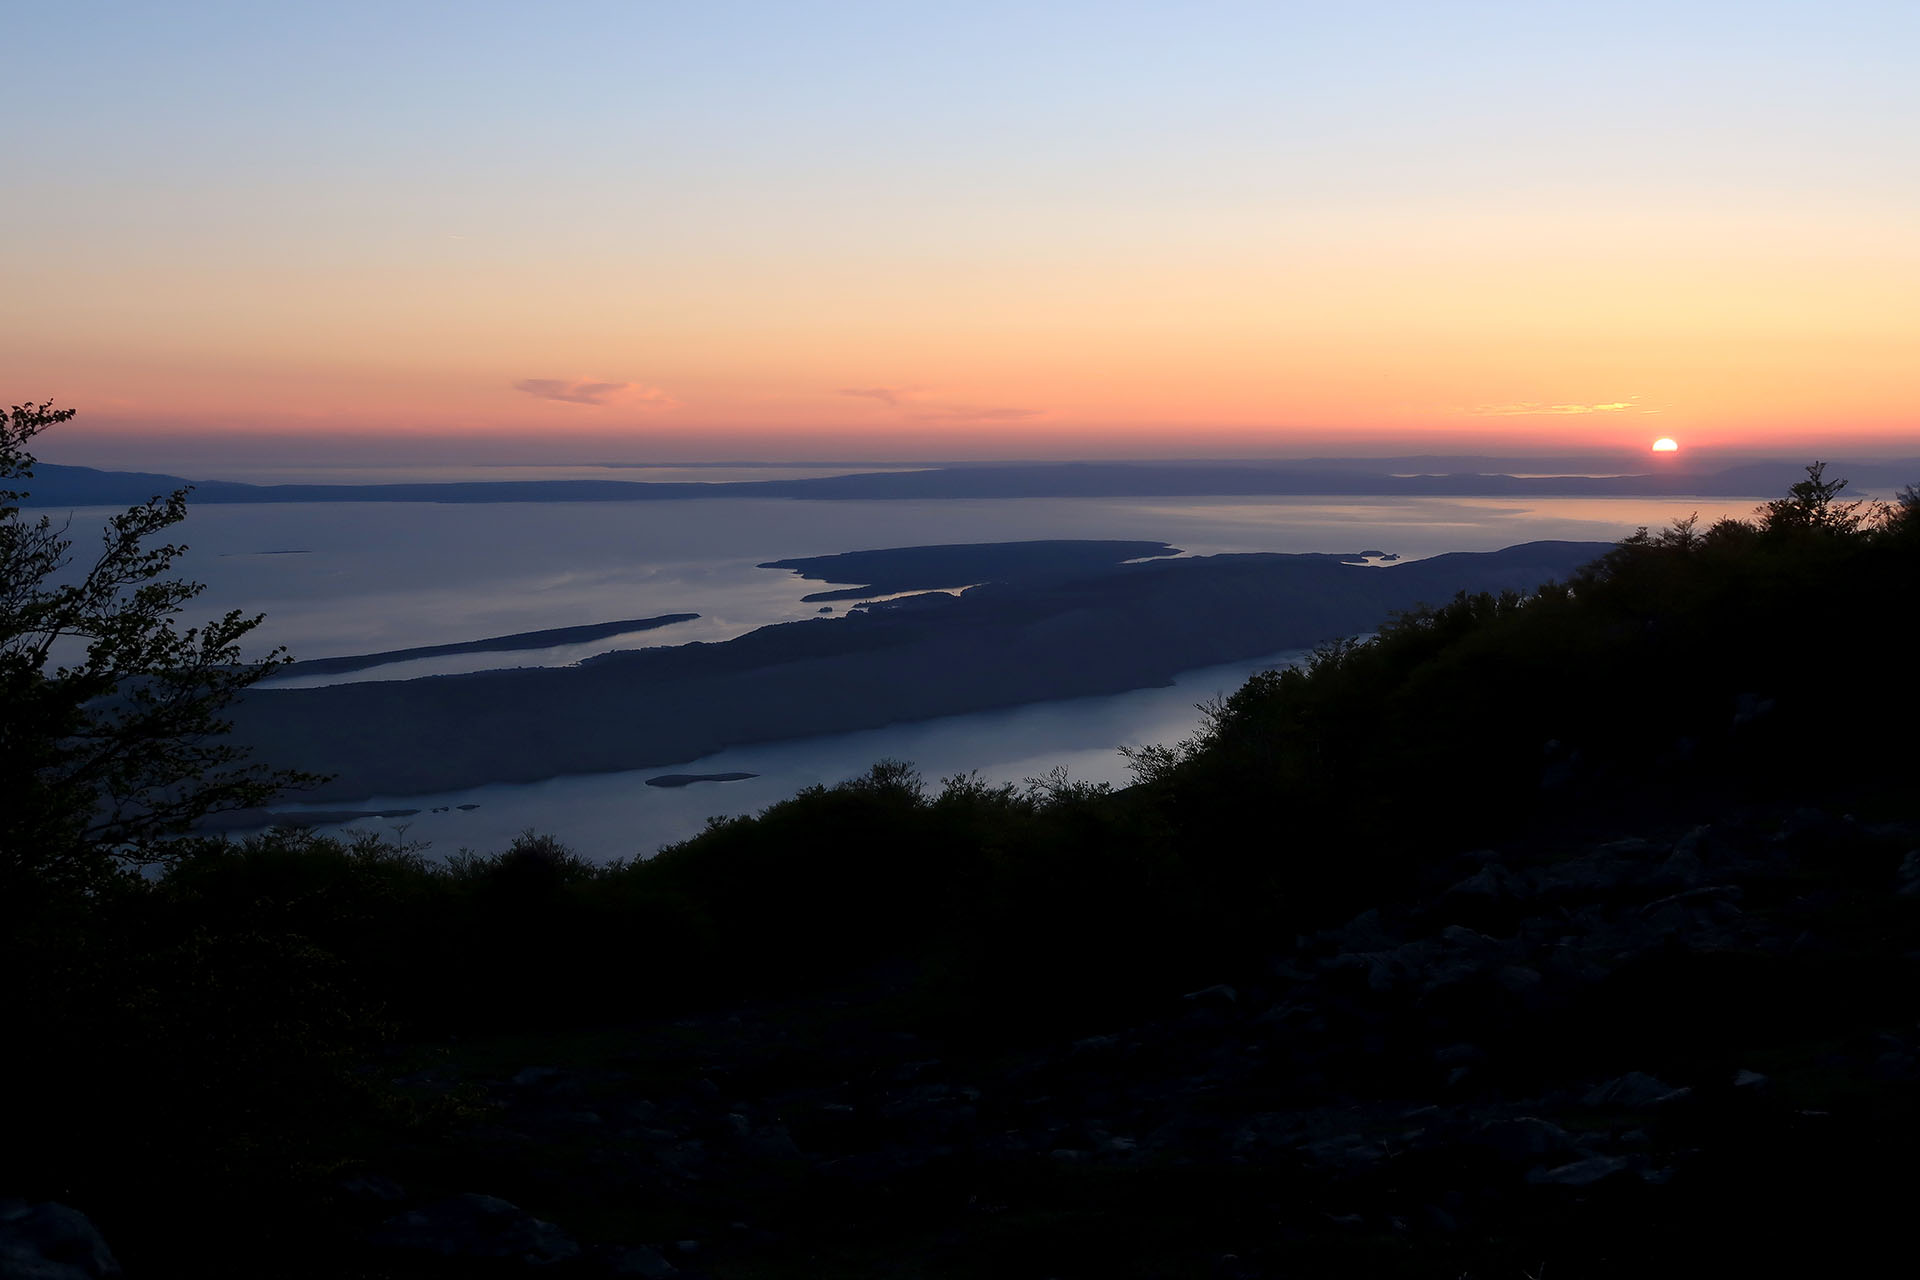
column 550, row 638
column 1001, row 644
column 965, row 564
column 688, row 779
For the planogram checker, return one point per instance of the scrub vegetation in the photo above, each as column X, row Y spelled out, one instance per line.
column 198, row 1023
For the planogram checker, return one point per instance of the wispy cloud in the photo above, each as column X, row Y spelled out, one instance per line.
column 1537, row 409
column 913, row 404
column 895, row 396
column 967, row 413
column 582, row 391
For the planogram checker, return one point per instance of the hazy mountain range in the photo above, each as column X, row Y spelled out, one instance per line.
column 64, row 486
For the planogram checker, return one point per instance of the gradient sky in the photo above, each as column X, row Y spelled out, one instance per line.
column 898, row 229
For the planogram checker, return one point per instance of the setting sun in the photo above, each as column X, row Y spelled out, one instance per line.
column 1666, row 444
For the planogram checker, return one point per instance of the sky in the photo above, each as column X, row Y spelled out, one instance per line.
column 903, row 230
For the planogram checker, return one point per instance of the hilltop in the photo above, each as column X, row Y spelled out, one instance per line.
column 1572, row 929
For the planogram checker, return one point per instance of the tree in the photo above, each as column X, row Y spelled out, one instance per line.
column 111, row 737
column 1812, row 506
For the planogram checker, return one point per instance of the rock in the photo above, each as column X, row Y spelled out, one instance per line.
column 1217, row 996
column 1095, row 1045
column 49, row 1241
column 1633, row 1091
column 1460, row 1055
column 1749, row 707
column 1523, row 1140
column 1349, row 1152
column 1365, row 932
column 773, row 1142
column 372, row 1188
column 1491, row 885
column 1712, row 897
column 476, row 1227
column 1634, row 848
column 1906, row 881
column 1695, row 843
column 1461, row 938
column 1519, row 980
column 643, row 1262
column 1581, row 1173
column 1744, row 1079
column 1683, row 867
column 1403, row 966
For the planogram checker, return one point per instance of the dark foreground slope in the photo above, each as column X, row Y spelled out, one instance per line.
column 1574, row 936
column 998, row 645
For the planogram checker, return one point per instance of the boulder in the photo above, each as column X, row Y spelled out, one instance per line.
column 49, row 1241
column 1632, row 1091
column 473, row 1227
column 1907, row 880
column 643, row 1262
column 1217, row 996
column 1491, row 885
column 372, row 1188
column 1365, row 932
column 1581, row 1173
column 1524, row 1140
column 1349, row 1152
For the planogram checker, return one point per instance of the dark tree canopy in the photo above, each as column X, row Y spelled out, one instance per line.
column 110, row 713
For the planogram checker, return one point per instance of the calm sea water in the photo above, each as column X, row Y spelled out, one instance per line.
column 352, row 578
column 363, row 577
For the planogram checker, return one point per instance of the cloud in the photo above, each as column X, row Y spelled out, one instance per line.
column 966, row 413
column 903, row 398
column 1536, row 409
column 583, row 391
column 894, row 396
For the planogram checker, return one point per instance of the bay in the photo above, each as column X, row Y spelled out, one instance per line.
column 344, row 578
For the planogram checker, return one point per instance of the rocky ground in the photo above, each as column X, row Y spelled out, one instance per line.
column 1677, row 1051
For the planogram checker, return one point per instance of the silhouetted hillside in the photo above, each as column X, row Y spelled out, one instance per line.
column 1571, row 932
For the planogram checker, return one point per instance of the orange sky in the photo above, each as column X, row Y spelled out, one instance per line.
column 1219, row 263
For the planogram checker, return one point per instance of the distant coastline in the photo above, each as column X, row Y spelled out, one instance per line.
column 547, row 639
column 672, row 780
column 1002, row 644
column 67, row 486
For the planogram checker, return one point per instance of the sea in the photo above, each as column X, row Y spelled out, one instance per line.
column 333, row 579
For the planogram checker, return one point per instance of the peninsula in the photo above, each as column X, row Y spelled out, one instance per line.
column 1000, row 644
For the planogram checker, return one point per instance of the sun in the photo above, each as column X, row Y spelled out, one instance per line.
column 1666, row 444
